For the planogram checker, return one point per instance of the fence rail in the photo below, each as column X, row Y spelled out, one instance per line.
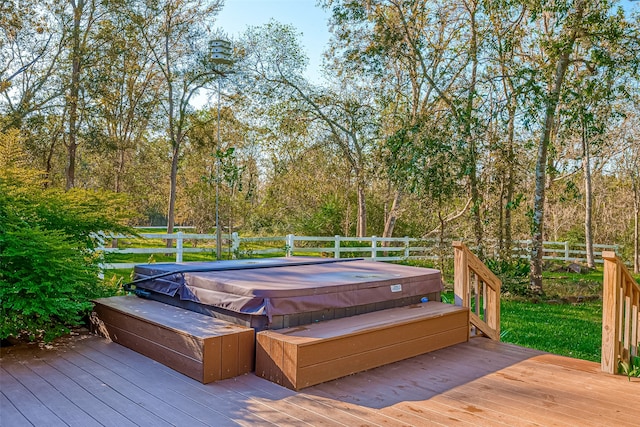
column 374, row 248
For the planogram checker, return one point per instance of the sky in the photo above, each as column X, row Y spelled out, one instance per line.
column 304, row 15
column 309, row 19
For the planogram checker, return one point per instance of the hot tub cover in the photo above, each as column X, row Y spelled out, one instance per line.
column 281, row 286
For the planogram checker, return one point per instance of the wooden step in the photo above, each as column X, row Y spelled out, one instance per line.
column 311, row 354
column 202, row 347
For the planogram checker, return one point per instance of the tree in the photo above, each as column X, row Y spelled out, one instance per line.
column 124, row 94
column 504, row 42
column 586, row 109
column 344, row 113
column 431, row 70
column 228, row 169
column 567, row 32
column 420, row 158
column 175, row 33
column 560, row 49
column 85, row 15
column 30, row 50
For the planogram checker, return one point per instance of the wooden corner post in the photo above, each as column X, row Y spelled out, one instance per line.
column 461, row 275
column 620, row 315
column 610, row 313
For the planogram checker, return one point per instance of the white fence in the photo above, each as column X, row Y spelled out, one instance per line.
column 373, row 248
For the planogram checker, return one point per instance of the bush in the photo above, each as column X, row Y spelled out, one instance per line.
column 48, row 271
column 513, row 273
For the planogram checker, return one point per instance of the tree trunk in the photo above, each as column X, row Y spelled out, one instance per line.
column 175, row 143
column 173, row 179
column 74, row 92
column 471, row 143
column 537, row 221
column 58, row 133
column 393, row 216
column 636, row 226
column 117, row 187
column 551, row 103
column 588, row 229
column 501, row 215
column 362, row 209
column 636, row 237
column 511, row 168
column 441, row 246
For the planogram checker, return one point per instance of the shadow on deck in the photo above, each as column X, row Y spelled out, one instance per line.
column 482, row 382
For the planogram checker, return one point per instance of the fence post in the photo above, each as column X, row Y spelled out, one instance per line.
column 99, row 248
column 289, row 242
column 235, row 244
column 374, row 245
column 336, row 247
column 406, row 247
column 566, row 251
column 179, row 246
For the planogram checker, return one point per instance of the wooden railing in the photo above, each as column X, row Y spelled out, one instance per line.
column 476, row 287
column 620, row 320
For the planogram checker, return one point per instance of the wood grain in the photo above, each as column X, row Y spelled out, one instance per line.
column 479, row 382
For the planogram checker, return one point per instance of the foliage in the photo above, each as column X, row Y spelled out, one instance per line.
column 427, row 122
column 517, row 267
column 48, row 272
column 631, row 368
column 513, row 273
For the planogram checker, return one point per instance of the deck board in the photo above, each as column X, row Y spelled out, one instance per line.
column 123, row 386
column 96, row 382
column 50, row 397
column 67, row 387
column 219, row 400
column 128, row 408
column 26, row 401
column 185, row 410
column 9, row 413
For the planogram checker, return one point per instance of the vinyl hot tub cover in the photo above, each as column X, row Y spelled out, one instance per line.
column 283, row 286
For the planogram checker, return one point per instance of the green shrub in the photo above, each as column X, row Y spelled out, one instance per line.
column 514, row 275
column 48, row 271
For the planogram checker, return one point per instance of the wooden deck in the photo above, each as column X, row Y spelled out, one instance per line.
column 94, row 382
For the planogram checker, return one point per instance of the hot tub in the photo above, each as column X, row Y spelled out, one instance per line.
column 276, row 293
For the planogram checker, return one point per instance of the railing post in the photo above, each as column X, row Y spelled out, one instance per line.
column 179, row 246
column 374, row 245
column 460, row 275
column 336, row 247
column 566, row 251
column 610, row 313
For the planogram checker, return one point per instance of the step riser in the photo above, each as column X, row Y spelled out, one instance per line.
column 301, row 357
column 212, row 350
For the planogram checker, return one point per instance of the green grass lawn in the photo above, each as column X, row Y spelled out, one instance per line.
column 573, row 330
column 556, row 323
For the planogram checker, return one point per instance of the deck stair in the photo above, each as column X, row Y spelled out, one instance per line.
column 309, row 355
column 202, row 347
column 209, row 349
